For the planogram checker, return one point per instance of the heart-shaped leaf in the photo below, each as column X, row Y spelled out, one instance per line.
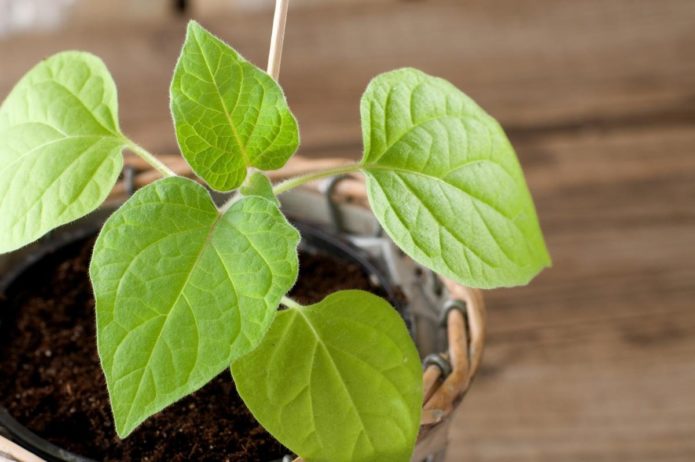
column 337, row 381
column 444, row 182
column 229, row 114
column 60, row 146
column 182, row 290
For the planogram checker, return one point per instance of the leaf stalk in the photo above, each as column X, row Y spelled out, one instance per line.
column 145, row 155
column 289, row 303
column 313, row 176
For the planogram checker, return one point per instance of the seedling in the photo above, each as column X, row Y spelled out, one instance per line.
column 185, row 289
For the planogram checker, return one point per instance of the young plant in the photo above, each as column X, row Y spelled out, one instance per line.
column 185, row 289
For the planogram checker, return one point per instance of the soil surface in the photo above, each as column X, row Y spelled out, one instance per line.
column 51, row 381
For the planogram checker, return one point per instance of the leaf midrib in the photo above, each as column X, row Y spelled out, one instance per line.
column 237, row 138
column 63, row 137
column 207, row 240
column 20, row 219
column 416, row 125
column 402, row 170
column 113, row 132
column 323, row 345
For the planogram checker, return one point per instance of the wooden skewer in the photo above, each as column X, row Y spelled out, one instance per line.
column 278, row 38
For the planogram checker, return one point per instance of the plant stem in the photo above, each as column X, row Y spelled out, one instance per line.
column 235, row 197
column 277, row 38
column 151, row 159
column 317, row 175
column 289, row 303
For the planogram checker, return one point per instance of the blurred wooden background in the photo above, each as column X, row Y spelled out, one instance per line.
column 595, row 360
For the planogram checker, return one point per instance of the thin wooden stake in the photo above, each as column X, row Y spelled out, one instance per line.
column 278, row 37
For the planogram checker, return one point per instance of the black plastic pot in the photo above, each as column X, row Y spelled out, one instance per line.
column 314, row 239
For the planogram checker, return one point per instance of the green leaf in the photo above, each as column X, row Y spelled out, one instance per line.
column 259, row 185
column 229, row 115
column 181, row 291
column 444, row 182
column 340, row 380
column 60, row 146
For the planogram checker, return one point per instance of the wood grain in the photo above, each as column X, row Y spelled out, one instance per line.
column 595, row 360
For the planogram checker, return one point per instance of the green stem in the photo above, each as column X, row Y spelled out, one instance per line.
column 317, row 175
column 289, row 303
column 298, row 181
column 151, row 159
column 231, row 201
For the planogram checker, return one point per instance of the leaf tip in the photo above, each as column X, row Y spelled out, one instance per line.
column 123, row 428
column 193, row 25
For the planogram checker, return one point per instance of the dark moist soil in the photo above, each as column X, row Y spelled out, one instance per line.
column 51, row 381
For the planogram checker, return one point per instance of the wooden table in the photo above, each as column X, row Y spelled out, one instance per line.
column 595, row 360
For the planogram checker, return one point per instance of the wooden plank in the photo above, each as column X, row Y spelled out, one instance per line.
column 593, row 360
column 537, row 66
column 612, row 390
